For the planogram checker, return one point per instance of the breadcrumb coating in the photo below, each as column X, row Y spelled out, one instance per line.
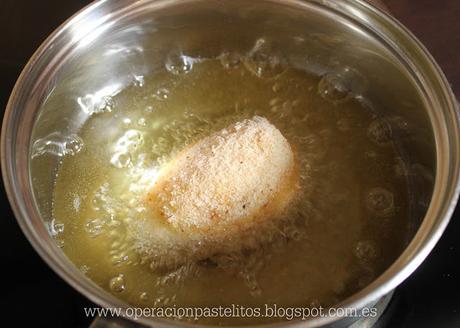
column 222, row 194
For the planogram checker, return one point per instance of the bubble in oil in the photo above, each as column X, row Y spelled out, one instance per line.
column 263, row 62
column 117, row 284
column 164, row 300
column 141, row 122
column 161, row 94
column 283, row 109
column 94, row 104
column 116, row 244
column 341, row 84
column 106, row 105
column 124, row 148
column 76, row 203
column 57, row 144
column 381, row 202
column 95, row 227
column 120, row 251
column 332, row 88
column 56, row 227
column 73, row 145
column 144, row 297
column 139, row 80
column 177, row 63
column 230, row 60
column 100, row 199
column 293, row 232
column 118, row 259
column 275, row 102
column 121, row 160
column 366, row 250
column 59, row 242
column 399, row 126
column 380, row 131
column 130, row 140
column 84, row 269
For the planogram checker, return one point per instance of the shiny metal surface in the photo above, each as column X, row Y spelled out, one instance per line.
column 110, row 43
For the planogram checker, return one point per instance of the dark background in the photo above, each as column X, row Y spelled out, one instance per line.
column 34, row 295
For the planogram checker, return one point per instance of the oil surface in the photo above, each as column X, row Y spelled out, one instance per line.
column 348, row 227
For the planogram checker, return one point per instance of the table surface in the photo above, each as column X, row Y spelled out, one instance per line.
column 35, row 295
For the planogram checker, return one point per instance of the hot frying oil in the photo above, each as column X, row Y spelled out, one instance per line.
column 350, row 221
